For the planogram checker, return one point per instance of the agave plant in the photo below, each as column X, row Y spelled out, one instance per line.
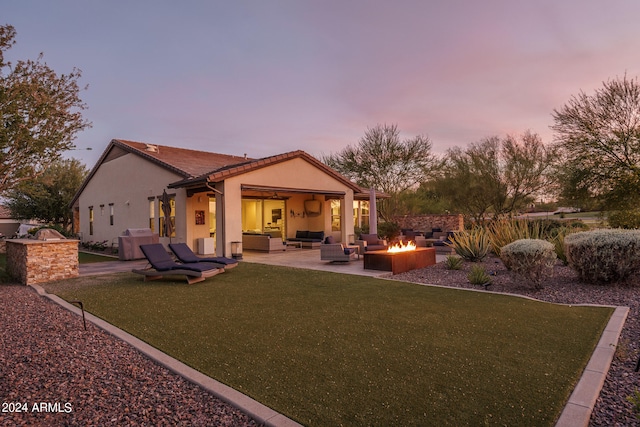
column 472, row 245
column 505, row 231
column 479, row 276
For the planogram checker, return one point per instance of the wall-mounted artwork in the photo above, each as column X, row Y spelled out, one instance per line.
column 312, row 207
column 276, row 214
column 199, row 217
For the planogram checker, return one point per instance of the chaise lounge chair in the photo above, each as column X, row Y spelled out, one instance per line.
column 186, row 256
column 162, row 265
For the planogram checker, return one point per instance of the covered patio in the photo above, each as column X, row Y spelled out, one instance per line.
column 309, row 259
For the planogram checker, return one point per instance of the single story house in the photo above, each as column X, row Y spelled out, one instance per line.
column 214, row 197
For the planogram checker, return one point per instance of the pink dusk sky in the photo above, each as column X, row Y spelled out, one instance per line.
column 264, row 77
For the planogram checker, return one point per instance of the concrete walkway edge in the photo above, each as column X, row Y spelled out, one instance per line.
column 578, row 409
column 251, row 407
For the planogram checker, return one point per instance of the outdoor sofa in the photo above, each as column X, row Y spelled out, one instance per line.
column 308, row 239
column 262, row 242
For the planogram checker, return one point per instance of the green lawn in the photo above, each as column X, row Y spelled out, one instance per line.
column 328, row 349
column 87, row 258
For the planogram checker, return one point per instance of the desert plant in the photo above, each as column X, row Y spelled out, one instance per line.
column 605, row 255
column 634, row 399
column 503, row 232
column 625, row 219
column 558, row 242
column 479, row 276
column 472, row 245
column 388, row 230
column 453, row 262
column 531, row 258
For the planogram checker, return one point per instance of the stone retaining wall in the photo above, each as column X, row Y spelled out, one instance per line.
column 428, row 222
column 40, row 261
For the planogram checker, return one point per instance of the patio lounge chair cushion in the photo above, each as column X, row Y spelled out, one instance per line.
column 186, row 256
column 163, row 265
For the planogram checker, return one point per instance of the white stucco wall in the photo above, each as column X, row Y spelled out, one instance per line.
column 127, row 182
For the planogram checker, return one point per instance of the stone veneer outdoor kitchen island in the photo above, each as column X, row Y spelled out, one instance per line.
column 399, row 262
column 33, row 261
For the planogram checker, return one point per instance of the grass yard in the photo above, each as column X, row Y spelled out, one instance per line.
column 332, row 349
column 88, row 257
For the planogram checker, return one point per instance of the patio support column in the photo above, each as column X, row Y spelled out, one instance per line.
column 221, row 249
column 232, row 214
column 346, row 213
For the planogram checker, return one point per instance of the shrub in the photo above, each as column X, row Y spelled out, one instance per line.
column 388, row 230
column 625, row 219
column 604, row 256
column 472, row 245
column 532, row 258
column 634, row 399
column 453, row 262
column 479, row 276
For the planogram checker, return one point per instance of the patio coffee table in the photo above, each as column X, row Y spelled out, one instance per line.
column 293, row 245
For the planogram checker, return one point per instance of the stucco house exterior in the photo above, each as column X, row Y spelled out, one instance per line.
column 214, row 196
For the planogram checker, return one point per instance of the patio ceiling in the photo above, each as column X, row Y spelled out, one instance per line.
column 259, row 190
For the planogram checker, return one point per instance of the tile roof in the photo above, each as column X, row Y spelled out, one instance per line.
column 186, row 162
column 228, row 171
column 200, row 167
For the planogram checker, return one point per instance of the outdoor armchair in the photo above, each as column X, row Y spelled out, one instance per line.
column 336, row 252
column 371, row 242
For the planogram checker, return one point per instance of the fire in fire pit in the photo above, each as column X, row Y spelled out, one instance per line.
column 402, row 247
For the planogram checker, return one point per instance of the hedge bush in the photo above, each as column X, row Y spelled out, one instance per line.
column 604, row 256
column 532, row 258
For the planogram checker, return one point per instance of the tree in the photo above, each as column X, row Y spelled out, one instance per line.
column 47, row 197
column 381, row 160
column 41, row 115
column 598, row 137
column 496, row 175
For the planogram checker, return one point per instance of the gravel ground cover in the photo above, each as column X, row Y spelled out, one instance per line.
column 612, row 407
column 52, row 372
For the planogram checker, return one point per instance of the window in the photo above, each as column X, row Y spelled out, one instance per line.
column 152, row 214
column 264, row 216
column 110, row 213
column 172, row 218
column 90, row 220
column 335, row 215
column 361, row 213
